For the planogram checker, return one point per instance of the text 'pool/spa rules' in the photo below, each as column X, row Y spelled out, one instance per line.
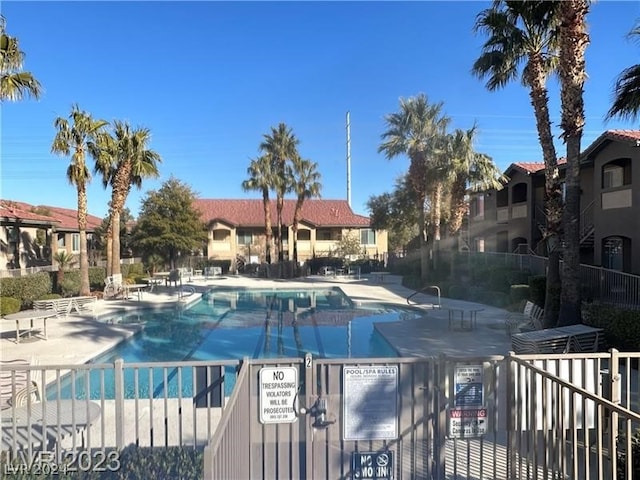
column 278, row 394
column 370, row 402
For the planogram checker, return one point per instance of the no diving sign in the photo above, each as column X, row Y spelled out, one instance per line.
column 278, row 389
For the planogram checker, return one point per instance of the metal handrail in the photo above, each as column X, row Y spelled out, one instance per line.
column 432, row 287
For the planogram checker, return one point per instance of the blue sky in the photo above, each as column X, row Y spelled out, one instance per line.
column 210, row 78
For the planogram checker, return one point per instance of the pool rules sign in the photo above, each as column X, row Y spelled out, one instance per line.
column 278, row 389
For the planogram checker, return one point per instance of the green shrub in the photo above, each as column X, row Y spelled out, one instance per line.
column 519, row 293
column 499, row 279
column 26, row 289
column 143, row 463
column 96, row 277
column 537, row 286
column 9, row 305
column 621, row 327
column 70, row 286
column 129, row 270
column 621, row 464
column 519, row 277
column 476, row 294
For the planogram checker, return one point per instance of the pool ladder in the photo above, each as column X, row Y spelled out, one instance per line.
column 428, row 287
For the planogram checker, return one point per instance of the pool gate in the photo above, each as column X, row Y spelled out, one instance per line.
column 569, row 416
column 500, row 417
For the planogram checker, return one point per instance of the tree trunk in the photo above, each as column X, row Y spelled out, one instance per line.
column 573, row 43
column 552, row 193
column 268, row 234
column 109, row 247
column 82, row 227
column 115, row 258
column 279, row 205
column 424, row 252
column 437, row 215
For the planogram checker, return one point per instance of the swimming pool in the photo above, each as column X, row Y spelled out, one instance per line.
column 239, row 323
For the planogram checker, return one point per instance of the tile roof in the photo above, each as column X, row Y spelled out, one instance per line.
column 12, row 211
column 62, row 218
column 632, row 136
column 533, row 167
column 250, row 213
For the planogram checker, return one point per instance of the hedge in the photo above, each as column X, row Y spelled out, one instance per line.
column 621, row 326
column 9, row 305
column 27, row 289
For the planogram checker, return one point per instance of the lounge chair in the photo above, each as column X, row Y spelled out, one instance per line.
column 113, row 287
column 16, row 386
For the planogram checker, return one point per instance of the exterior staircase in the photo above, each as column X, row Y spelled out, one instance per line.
column 587, row 228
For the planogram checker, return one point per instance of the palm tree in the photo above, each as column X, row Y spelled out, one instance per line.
column 76, row 139
column 472, row 172
column 260, row 179
column 573, row 44
column 306, row 184
column 15, row 84
column 523, row 41
column 281, row 146
column 413, row 131
column 626, row 103
column 124, row 160
column 64, row 261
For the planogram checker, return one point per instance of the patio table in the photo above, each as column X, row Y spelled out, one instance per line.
column 31, row 316
column 137, row 288
column 467, row 318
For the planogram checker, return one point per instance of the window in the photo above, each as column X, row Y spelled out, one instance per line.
column 244, row 237
column 479, row 207
column 367, row 236
column 221, row 235
column 75, row 242
column 61, row 240
column 304, row 235
column 616, row 252
column 327, row 234
column 502, row 198
column 519, row 193
column 616, row 173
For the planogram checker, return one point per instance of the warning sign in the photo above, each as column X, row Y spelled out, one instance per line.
column 372, row 465
column 468, row 423
column 278, row 390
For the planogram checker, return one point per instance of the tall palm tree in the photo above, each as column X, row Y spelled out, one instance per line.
column 523, row 41
column 574, row 40
column 626, row 103
column 125, row 161
column 260, row 179
column 413, row 131
column 281, row 145
column 77, row 139
column 471, row 172
column 306, row 184
column 15, row 83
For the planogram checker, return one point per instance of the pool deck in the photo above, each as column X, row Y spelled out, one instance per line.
column 75, row 339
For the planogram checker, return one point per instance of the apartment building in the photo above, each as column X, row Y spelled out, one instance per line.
column 512, row 219
column 29, row 234
column 236, row 228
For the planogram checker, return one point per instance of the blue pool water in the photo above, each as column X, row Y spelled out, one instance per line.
column 237, row 323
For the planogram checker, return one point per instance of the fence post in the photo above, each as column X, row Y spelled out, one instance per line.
column 118, row 375
column 440, row 441
column 511, row 415
column 309, row 383
column 614, row 389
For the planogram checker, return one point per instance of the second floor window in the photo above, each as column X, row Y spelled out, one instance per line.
column 75, row 242
column 616, row 173
column 244, row 237
column 367, row 236
column 61, row 242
